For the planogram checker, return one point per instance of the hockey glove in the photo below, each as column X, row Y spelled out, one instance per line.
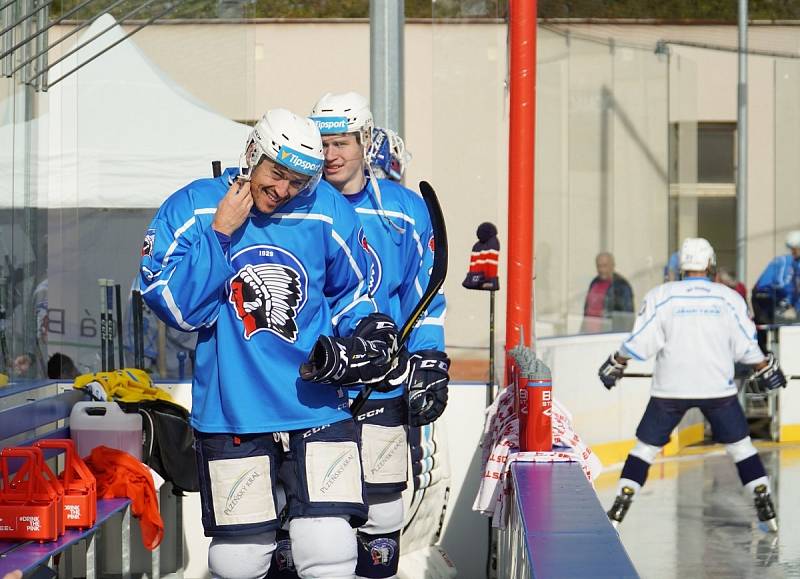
column 396, row 377
column 770, row 376
column 611, row 371
column 381, row 327
column 366, row 357
column 427, row 390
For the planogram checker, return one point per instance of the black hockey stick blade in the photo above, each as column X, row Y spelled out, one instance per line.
column 435, row 282
column 216, row 168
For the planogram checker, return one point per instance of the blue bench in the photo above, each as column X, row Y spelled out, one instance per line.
column 36, row 411
column 558, row 529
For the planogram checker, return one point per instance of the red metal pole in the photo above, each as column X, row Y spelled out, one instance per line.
column 521, row 137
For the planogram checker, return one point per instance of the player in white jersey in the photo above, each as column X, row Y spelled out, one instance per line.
column 697, row 330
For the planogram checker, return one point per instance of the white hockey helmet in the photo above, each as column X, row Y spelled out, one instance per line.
column 291, row 141
column 697, row 255
column 793, row 239
column 347, row 112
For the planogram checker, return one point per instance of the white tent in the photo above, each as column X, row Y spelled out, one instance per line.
column 113, row 140
column 118, row 133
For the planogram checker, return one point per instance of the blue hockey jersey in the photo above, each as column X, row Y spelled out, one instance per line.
column 782, row 276
column 401, row 261
column 259, row 307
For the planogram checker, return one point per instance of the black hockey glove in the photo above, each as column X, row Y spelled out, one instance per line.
column 396, row 377
column 366, row 357
column 427, row 388
column 770, row 376
column 611, row 371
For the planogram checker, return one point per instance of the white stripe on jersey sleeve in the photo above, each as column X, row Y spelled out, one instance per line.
column 316, row 216
column 170, row 301
column 397, row 214
column 357, row 296
column 183, row 228
column 363, row 299
column 431, row 321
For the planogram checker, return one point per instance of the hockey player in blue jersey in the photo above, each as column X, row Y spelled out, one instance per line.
column 696, row 329
column 267, row 264
column 776, row 293
column 400, row 240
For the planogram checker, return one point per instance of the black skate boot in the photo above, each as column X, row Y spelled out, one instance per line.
column 765, row 508
column 621, row 505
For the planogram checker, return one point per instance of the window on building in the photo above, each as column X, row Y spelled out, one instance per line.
column 716, row 151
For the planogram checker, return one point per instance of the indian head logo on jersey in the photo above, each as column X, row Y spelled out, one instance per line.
column 376, row 267
column 149, row 241
column 268, row 290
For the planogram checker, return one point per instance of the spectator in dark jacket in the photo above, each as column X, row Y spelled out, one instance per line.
column 609, row 301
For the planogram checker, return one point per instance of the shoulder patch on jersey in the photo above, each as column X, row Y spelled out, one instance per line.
column 268, row 290
column 149, row 242
column 376, row 267
column 432, row 244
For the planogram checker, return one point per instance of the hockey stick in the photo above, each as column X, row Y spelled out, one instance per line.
column 640, row 375
column 120, row 345
column 138, row 337
column 103, row 335
column 5, row 361
column 438, row 275
column 110, row 328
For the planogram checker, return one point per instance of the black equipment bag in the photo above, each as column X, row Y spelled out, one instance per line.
column 167, row 442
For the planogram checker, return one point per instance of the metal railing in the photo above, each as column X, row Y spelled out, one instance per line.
column 24, row 46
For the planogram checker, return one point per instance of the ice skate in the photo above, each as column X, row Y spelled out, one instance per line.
column 621, row 505
column 764, row 508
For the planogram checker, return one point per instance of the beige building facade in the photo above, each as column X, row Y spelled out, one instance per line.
column 634, row 123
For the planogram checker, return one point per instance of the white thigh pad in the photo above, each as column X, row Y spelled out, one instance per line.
column 384, row 450
column 386, row 514
column 241, row 490
column 323, row 547
column 245, row 557
column 333, row 470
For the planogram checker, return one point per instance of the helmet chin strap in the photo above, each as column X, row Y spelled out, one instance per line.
column 244, row 168
column 377, row 189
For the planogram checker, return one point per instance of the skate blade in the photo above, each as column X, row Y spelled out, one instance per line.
column 614, row 524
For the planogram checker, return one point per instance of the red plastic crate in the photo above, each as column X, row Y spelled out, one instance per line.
column 80, row 486
column 32, row 502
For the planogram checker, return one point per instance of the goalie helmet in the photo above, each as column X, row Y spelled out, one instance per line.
column 343, row 113
column 697, row 255
column 387, row 154
column 291, row 141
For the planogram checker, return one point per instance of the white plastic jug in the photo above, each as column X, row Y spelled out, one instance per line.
column 93, row 424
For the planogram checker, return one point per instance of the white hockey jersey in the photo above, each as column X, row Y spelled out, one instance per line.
column 696, row 329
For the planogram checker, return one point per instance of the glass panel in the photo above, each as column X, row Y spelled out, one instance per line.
column 459, row 142
column 601, row 158
column 778, row 297
column 635, row 151
column 86, row 163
